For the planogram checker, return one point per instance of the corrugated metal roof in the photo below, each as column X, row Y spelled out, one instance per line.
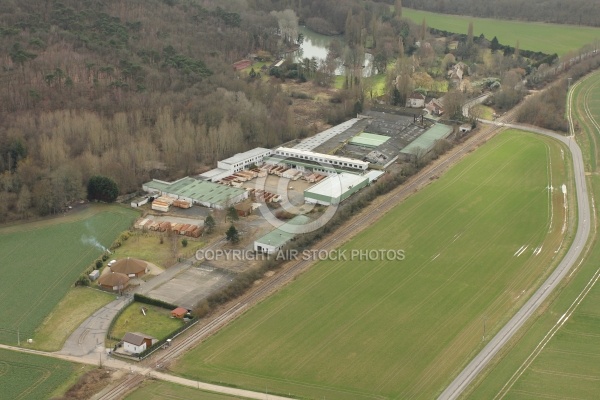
column 369, row 139
column 283, row 234
column 198, row 190
column 426, row 141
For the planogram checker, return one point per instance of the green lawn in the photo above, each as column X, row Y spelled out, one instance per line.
column 535, row 36
column 42, row 260
column 27, row 376
column 402, row 329
column 73, row 309
column 146, row 246
column 551, row 360
column 157, row 322
column 165, row 390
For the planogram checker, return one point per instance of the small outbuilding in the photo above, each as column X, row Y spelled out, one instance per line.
column 135, row 342
column 131, row 267
column 179, row 312
column 113, row 281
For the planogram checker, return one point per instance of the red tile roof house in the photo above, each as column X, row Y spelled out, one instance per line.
column 435, row 107
column 242, row 64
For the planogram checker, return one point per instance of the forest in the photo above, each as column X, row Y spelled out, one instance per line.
column 574, row 12
column 146, row 89
column 137, row 90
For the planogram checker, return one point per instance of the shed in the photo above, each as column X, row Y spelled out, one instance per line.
column 244, row 209
column 94, row 275
column 140, row 201
column 179, row 312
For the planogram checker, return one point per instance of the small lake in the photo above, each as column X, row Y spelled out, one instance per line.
column 316, row 45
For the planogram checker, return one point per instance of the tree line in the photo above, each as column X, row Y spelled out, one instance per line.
column 576, row 12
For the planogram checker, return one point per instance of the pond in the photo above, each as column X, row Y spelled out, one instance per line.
column 316, row 45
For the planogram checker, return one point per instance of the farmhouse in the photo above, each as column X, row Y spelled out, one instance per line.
column 135, row 342
column 415, row 100
column 113, row 281
column 335, row 189
column 435, row 107
column 276, row 239
column 131, row 267
column 196, row 191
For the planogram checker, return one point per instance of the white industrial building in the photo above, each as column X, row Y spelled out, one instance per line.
column 273, row 241
column 243, row 160
column 335, row 189
column 236, row 163
column 322, row 159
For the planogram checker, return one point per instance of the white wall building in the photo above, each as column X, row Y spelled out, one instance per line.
column 243, row 160
column 136, row 343
column 324, row 159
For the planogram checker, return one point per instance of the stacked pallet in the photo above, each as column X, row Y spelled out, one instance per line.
column 182, row 204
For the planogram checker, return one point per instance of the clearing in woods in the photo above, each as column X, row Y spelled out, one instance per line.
column 477, row 242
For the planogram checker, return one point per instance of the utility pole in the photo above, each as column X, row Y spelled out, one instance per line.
column 484, row 320
column 18, row 338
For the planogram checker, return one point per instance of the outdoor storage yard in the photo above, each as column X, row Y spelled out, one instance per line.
column 377, row 327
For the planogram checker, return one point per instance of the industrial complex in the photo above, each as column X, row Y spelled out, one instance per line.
column 332, row 165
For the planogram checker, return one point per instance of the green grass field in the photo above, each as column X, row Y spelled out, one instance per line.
column 42, row 260
column 550, row 360
column 165, row 390
column 27, row 376
column 403, row 329
column 157, row 322
column 146, row 246
column 78, row 304
column 535, row 36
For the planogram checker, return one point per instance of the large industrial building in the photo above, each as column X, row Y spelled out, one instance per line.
column 304, row 160
column 426, row 142
column 273, row 241
column 335, row 189
column 199, row 192
column 236, row 163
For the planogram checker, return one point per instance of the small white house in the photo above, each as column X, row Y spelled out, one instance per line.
column 464, row 128
column 134, row 342
column 415, row 100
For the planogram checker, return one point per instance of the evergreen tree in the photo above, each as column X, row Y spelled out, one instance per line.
column 102, row 188
column 232, row 235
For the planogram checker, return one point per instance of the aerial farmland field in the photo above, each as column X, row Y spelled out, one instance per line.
column 31, row 377
column 40, row 261
column 477, row 242
column 535, row 36
column 557, row 355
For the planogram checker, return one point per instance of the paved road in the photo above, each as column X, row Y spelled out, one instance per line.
column 91, row 333
column 145, row 371
column 462, row 381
